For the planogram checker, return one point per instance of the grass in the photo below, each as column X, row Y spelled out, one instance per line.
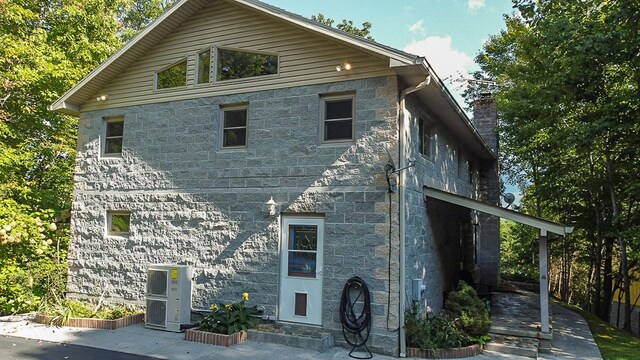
column 614, row 343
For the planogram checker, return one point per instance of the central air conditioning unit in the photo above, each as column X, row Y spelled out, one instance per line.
column 168, row 297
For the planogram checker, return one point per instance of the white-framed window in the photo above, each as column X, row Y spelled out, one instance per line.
column 239, row 64
column 234, row 126
column 113, row 136
column 425, row 134
column 118, row 222
column 337, row 118
column 203, row 67
column 172, row 76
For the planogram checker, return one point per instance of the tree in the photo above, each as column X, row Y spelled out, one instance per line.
column 346, row 26
column 45, row 48
column 568, row 76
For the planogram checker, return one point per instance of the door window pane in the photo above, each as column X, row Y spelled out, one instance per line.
column 303, row 246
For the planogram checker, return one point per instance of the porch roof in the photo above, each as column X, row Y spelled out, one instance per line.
column 542, row 224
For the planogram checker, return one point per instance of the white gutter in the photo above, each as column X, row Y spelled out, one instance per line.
column 401, row 189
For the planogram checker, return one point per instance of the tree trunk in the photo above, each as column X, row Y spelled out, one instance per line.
column 621, row 242
column 607, row 284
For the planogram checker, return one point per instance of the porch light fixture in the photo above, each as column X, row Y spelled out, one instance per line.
column 344, row 66
column 104, row 97
column 271, row 205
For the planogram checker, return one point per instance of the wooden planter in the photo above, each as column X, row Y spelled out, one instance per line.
column 453, row 353
column 206, row 337
column 91, row 323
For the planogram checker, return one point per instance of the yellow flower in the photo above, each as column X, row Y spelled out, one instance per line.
column 228, row 306
column 213, row 307
column 245, row 296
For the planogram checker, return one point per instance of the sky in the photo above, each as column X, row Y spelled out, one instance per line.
column 448, row 33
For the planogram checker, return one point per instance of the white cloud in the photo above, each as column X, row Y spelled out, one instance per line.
column 445, row 60
column 418, row 27
column 475, row 4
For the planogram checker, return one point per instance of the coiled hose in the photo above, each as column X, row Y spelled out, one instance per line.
column 355, row 315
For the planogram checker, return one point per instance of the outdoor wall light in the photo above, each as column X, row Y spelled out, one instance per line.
column 271, row 205
column 104, row 97
column 343, row 66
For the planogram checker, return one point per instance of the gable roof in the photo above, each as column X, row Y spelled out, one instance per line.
column 411, row 69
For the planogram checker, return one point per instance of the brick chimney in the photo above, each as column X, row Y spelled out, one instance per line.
column 485, row 119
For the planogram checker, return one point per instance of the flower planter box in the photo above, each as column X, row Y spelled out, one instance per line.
column 206, row 337
column 106, row 324
column 453, row 353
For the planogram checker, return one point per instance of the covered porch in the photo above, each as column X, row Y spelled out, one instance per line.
column 516, row 315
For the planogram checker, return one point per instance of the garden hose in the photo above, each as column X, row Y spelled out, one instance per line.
column 355, row 315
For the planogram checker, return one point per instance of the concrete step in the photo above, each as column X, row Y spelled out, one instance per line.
column 513, row 345
column 308, row 338
column 520, row 332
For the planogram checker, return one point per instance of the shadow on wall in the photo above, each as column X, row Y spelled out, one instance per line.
column 207, row 209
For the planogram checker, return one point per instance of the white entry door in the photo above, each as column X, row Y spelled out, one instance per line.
column 301, row 270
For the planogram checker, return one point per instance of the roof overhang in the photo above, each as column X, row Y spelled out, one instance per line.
column 441, row 104
column 542, row 224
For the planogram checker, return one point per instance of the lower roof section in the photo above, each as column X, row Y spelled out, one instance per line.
column 542, row 224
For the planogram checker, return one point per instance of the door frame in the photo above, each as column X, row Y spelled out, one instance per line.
column 283, row 277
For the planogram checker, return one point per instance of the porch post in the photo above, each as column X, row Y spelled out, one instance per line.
column 544, row 283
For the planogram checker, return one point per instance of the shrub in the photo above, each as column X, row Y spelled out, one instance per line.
column 70, row 308
column 439, row 332
column 465, row 305
column 230, row 318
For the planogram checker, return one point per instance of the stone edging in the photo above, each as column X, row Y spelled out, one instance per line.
column 106, row 324
column 206, row 337
column 467, row 351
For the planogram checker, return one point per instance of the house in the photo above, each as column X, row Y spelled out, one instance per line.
column 189, row 131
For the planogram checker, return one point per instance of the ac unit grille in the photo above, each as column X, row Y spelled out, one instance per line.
column 156, row 312
column 157, row 282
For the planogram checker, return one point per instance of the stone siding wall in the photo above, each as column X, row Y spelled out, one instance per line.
column 193, row 203
column 433, row 230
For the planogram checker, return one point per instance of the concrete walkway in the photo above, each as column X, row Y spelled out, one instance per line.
column 572, row 340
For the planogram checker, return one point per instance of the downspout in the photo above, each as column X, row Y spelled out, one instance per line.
column 401, row 195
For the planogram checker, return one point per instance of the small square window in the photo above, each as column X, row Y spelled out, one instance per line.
column 234, row 127
column 118, row 222
column 337, row 119
column 425, row 141
column 113, row 136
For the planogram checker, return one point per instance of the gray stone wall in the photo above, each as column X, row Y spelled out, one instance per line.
column 195, row 204
column 434, row 230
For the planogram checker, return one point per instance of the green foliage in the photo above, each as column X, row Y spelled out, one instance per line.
column 465, row 321
column 465, row 305
column 230, row 318
column 45, row 48
column 567, row 88
column 438, row 332
column 346, row 26
column 518, row 252
column 70, row 308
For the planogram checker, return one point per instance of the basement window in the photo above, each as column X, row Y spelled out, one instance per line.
column 172, row 76
column 236, row 64
column 118, row 223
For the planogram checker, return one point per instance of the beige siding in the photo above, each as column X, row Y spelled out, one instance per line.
column 305, row 58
